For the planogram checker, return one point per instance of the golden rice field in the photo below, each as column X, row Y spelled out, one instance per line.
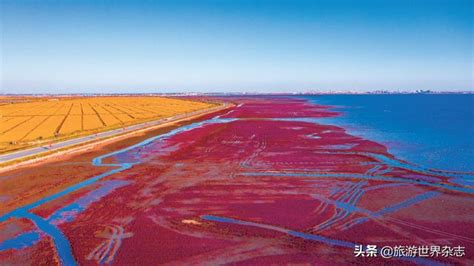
column 35, row 121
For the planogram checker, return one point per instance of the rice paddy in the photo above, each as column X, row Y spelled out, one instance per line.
column 40, row 120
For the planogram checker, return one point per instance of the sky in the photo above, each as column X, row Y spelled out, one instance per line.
column 75, row 46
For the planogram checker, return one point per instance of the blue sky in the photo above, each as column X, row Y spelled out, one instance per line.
column 229, row 46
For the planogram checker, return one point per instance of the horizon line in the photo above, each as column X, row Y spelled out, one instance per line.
column 240, row 93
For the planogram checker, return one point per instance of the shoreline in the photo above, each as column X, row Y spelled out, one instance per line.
column 267, row 172
column 430, row 136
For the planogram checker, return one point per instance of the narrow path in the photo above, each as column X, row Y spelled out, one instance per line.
column 81, row 140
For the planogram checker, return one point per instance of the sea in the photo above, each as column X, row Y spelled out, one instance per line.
column 431, row 130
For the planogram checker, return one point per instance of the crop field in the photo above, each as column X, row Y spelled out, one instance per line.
column 40, row 120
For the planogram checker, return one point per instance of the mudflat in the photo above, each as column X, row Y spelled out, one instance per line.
column 258, row 183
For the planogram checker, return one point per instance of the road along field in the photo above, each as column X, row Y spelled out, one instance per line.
column 266, row 182
column 43, row 120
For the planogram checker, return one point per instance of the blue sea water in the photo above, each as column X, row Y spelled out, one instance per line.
column 431, row 130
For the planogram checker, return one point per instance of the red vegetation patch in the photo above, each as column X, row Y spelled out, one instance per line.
column 262, row 190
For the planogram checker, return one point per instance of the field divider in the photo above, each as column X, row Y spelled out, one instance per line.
column 112, row 114
column 17, row 125
column 58, row 128
column 40, row 123
column 98, row 115
column 122, row 111
column 82, row 118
